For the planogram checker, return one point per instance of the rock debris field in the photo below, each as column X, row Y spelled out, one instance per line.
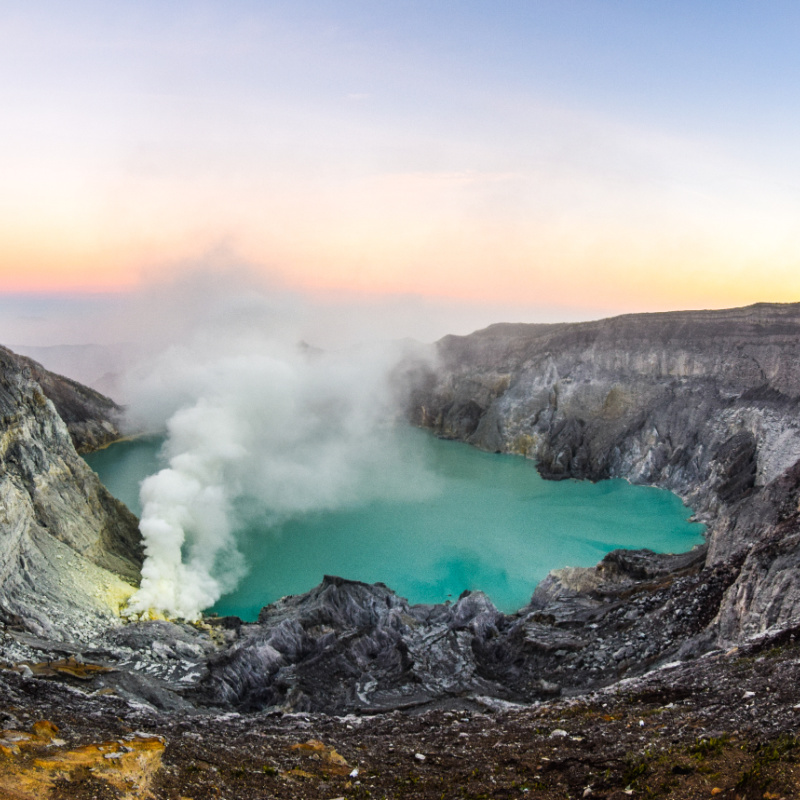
column 721, row 726
column 645, row 676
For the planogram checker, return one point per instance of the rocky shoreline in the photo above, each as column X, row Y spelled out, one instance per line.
column 703, row 403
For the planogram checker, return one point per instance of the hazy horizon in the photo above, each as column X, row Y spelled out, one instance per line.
column 550, row 160
column 210, row 184
column 96, row 337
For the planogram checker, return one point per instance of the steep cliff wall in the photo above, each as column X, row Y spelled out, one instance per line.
column 91, row 417
column 703, row 403
column 69, row 552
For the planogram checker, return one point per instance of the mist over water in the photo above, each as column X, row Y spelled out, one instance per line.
column 282, row 445
column 257, row 424
column 488, row 522
column 270, row 431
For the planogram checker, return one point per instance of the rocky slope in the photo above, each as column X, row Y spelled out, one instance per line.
column 69, row 552
column 720, row 726
column 703, row 403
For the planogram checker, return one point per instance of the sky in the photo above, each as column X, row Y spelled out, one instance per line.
column 528, row 160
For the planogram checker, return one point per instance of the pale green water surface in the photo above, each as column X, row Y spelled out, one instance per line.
column 492, row 524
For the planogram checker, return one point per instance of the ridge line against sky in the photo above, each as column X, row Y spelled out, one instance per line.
column 591, row 157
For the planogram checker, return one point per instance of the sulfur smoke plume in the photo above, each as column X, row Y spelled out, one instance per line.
column 260, row 425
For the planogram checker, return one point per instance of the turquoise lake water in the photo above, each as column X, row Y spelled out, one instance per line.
column 491, row 523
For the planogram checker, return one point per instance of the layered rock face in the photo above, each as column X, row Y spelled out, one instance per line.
column 352, row 647
column 703, row 403
column 348, row 646
column 69, row 552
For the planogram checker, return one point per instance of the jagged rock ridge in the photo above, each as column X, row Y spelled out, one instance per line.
column 703, row 403
column 69, row 551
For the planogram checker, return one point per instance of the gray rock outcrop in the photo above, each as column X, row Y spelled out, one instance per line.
column 69, row 551
column 348, row 646
column 703, row 403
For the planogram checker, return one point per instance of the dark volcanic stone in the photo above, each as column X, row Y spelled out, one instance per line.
column 703, row 403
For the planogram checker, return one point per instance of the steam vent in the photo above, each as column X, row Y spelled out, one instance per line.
column 673, row 674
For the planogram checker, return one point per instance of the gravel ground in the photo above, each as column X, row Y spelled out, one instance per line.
column 722, row 726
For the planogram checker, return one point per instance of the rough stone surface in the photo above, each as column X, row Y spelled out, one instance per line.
column 349, row 646
column 702, row 403
column 722, row 725
column 69, row 552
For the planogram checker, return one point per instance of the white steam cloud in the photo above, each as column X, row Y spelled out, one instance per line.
column 255, row 419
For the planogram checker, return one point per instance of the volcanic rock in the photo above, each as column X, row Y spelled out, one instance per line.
column 69, row 552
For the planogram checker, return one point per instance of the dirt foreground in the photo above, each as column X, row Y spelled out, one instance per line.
column 723, row 726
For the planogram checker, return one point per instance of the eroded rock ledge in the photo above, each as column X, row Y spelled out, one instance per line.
column 706, row 404
column 69, row 552
column 702, row 403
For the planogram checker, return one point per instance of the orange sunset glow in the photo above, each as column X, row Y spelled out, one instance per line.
column 466, row 159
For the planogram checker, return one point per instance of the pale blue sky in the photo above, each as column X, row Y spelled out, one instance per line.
column 605, row 156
